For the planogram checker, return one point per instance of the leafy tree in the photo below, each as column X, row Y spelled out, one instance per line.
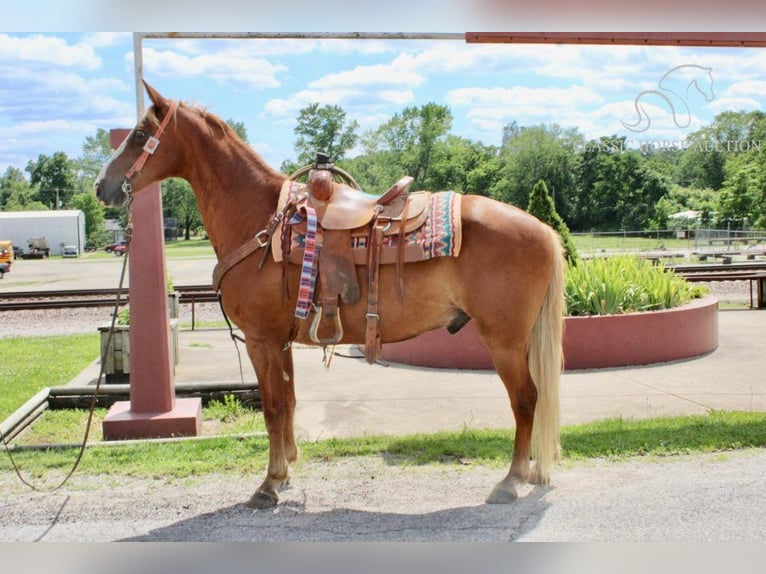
column 16, row 194
column 617, row 190
column 704, row 163
column 239, row 129
column 408, row 140
column 529, row 154
column 464, row 166
column 95, row 153
column 95, row 230
column 541, row 206
column 288, row 167
column 55, row 177
column 738, row 197
column 179, row 201
column 13, row 184
column 704, row 201
column 324, row 128
column 702, row 168
column 374, row 171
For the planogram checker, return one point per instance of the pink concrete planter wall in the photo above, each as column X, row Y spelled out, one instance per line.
column 589, row 342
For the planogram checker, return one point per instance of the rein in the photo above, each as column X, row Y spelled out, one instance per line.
column 260, row 240
column 94, row 400
column 149, row 148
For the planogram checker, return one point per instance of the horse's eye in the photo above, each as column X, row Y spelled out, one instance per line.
column 140, row 136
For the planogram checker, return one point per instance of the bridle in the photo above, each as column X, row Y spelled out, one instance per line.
column 150, row 147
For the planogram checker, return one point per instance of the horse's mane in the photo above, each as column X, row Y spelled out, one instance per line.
column 218, row 125
column 211, row 119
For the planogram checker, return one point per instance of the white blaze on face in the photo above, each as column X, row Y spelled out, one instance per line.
column 115, row 153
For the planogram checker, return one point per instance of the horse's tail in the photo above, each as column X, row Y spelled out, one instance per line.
column 545, row 359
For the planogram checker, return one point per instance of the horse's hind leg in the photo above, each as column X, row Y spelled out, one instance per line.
column 511, row 365
column 278, row 403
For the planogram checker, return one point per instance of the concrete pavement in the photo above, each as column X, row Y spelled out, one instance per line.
column 352, row 398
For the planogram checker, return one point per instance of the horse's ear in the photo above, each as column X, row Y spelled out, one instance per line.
column 154, row 95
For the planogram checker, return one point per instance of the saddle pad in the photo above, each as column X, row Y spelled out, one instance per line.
column 439, row 236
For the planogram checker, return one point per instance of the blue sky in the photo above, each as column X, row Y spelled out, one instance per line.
column 58, row 88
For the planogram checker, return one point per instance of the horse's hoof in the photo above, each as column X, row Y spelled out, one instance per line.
column 501, row 495
column 262, row 500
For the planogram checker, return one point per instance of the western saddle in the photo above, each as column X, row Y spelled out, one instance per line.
column 347, row 217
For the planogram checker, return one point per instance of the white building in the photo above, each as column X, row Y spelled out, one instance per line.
column 61, row 227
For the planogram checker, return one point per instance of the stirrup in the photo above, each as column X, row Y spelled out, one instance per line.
column 314, row 329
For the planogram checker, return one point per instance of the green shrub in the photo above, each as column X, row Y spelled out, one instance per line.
column 541, row 205
column 624, row 284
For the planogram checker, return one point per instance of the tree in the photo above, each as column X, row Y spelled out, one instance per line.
column 179, row 201
column 16, row 194
column 12, row 183
column 616, row 188
column 95, row 229
column 541, row 206
column 96, row 151
column 739, row 197
column 239, row 129
column 464, row 166
column 55, row 178
column 529, row 154
column 412, row 136
column 324, row 128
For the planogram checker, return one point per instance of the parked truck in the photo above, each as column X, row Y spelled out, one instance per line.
column 37, row 248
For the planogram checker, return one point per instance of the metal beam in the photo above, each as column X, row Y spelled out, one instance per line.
column 309, row 35
column 703, row 39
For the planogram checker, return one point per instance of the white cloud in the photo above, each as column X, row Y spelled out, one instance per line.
column 658, row 122
column 735, row 103
column 106, row 39
column 382, row 74
column 522, row 97
column 489, row 109
column 49, row 50
column 753, row 87
column 353, row 101
column 224, row 67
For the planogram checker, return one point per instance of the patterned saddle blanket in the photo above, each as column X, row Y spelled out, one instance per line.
column 431, row 229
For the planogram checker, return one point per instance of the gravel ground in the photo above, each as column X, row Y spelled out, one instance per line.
column 699, row 498
column 71, row 321
column 84, row 320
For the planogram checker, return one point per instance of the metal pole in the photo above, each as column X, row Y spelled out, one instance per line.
column 308, row 35
column 138, row 63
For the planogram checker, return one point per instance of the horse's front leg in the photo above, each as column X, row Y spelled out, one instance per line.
column 273, row 367
column 291, row 447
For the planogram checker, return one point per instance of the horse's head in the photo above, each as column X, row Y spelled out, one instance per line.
column 140, row 160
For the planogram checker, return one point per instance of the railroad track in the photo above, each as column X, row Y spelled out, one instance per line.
column 191, row 294
column 72, row 298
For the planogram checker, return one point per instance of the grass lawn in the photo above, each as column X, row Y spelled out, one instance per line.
column 34, row 363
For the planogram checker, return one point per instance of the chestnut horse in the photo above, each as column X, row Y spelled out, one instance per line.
column 508, row 278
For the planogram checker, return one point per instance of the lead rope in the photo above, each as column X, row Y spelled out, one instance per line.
column 94, row 400
column 234, row 337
